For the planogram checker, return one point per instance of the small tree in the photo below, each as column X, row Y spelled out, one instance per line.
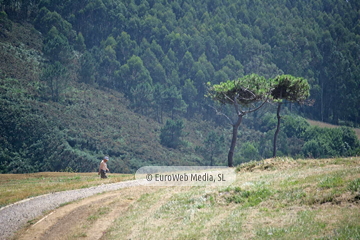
column 242, row 93
column 213, row 146
column 56, row 78
column 171, row 133
column 291, row 89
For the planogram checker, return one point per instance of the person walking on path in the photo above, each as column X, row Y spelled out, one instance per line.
column 103, row 169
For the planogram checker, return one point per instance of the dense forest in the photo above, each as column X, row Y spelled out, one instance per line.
column 127, row 78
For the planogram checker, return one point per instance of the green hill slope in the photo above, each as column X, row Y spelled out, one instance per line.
column 75, row 133
column 83, row 79
column 322, row 124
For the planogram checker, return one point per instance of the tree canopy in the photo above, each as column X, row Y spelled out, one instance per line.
column 244, row 91
column 290, row 88
column 159, row 55
column 241, row 93
column 208, row 41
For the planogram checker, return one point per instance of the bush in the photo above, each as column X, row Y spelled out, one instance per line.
column 329, row 142
column 248, row 152
column 294, row 126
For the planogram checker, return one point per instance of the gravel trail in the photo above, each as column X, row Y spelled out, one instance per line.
column 14, row 216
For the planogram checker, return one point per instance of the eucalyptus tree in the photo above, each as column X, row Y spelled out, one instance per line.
column 288, row 88
column 246, row 95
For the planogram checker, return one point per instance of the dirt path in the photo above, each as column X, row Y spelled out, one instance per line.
column 86, row 219
column 15, row 216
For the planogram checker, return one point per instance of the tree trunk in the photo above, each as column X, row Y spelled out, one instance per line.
column 277, row 128
column 233, row 141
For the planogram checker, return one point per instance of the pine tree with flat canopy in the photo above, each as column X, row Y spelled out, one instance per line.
column 288, row 88
column 247, row 94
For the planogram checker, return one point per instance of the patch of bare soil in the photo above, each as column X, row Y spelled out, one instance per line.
column 86, row 219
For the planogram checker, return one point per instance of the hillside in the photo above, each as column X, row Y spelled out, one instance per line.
column 274, row 199
column 76, row 133
column 328, row 125
column 80, row 80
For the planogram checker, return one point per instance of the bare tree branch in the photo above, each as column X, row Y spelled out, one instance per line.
column 223, row 114
column 246, row 90
column 239, row 112
column 255, row 109
column 226, row 96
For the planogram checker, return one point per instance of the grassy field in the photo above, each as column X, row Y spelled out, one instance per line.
column 15, row 187
column 277, row 198
column 272, row 199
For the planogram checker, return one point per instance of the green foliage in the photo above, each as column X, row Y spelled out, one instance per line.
column 329, row 142
column 80, row 43
column 4, row 21
column 290, row 88
column 296, row 138
column 245, row 90
column 294, row 126
column 189, row 93
column 212, row 147
column 248, row 152
column 136, row 46
column 46, row 20
column 204, row 41
column 88, row 67
column 170, row 100
column 171, row 133
column 132, row 74
column 56, row 78
column 57, row 47
column 31, row 143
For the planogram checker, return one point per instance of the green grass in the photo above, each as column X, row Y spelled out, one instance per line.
column 354, row 186
column 248, row 198
column 331, row 182
column 311, row 200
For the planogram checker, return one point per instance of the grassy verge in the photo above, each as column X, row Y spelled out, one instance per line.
column 16, row 187
column 273, row 199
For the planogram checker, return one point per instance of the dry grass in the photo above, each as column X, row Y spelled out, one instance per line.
column 15, row 187
column 275, row 199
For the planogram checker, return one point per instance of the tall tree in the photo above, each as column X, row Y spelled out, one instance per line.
column 132, row 74
column 56, row 79
column 291, row 89
column 56, row 47
column 242, row 94
column 171, row 133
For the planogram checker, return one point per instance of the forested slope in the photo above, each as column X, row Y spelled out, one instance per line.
column 156, row 56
